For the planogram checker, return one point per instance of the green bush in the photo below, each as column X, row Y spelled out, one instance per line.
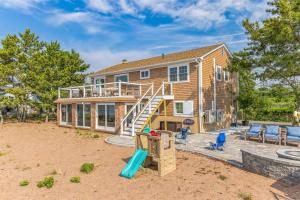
column 75, row 179
column 96, row 136
column 24, row 183
column 87, row 167
column 47, row 182
column 245, row 196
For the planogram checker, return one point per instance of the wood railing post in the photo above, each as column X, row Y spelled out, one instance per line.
column 152, row 88
column 84, row 91
column 70, row 93
column 171, row 88
column 120, row 88
column 163, row 88
column 132, row 129
column 59, row 92
column 140, row 88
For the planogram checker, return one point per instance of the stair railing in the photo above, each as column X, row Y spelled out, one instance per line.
column 148, row 104
column 133, row 109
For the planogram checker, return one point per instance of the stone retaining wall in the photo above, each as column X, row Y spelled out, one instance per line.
column 288, row 171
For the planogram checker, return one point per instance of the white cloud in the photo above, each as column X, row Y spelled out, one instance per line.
column 100, row 58
column 126, row 8
column 100, row 5
column 20, row 4
column 85, row 19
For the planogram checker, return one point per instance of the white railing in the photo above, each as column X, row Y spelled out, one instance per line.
column 166, row 88
column 133, row 110
column 113, row 89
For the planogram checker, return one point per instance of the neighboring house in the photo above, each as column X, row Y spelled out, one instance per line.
column 160, row 92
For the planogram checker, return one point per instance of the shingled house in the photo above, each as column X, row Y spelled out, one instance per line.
column 162, row 92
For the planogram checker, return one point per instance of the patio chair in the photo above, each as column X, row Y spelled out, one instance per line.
column 272, row 133
column 292, row 134
column 255, row 131
column 220, row 142
column 182, row 135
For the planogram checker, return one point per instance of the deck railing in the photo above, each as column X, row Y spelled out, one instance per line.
column 113, row 89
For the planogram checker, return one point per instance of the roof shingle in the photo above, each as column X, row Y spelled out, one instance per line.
column 138, row 64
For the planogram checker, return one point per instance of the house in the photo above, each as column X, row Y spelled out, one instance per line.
column 163, row 92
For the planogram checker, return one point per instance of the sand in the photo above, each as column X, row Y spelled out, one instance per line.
column 32, row 151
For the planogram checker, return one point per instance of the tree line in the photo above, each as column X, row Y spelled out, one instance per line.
column 32, row 70
column 273, row 56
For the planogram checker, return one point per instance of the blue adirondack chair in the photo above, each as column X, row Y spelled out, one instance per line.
column 293, row 134
column 183, row 134
column 220, row 142
column 272, row 132
column 254, row 131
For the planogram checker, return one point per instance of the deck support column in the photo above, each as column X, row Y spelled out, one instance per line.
column 165, row 114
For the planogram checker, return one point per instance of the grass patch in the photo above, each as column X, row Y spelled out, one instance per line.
column 245, row 196
column 24, row 183
column 87, row 167
column 222, row 177
column 47, row 182
column 96, row 136
column 2, row 153
column 75, row 179
column 53, row 172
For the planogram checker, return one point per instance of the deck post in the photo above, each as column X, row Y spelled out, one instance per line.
column 84, row 91
column 59, row 92
column 171, row 88
column 70, row 93
column 119, row 88
column 165, row 114
column 152, row 89
column 140, row 88
column 132, row 129
column 163, row 88
column 100, row 90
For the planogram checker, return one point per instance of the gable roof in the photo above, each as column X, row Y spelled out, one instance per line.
column 163, row 59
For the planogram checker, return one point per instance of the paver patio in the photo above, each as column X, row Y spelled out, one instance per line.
column 199, row 143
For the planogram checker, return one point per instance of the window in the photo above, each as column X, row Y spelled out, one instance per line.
column 121, row 77
column 106, row 117
column 183, row 108
column 219, row 73
column 178, row 73
column 66, row 114
column 83, row 117
column 226, row 75
column 144, row 74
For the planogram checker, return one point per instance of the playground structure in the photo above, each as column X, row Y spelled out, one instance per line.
column 161, row 156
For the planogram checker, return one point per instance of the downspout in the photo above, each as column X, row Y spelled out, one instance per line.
column 200, row 94
column 215, row 95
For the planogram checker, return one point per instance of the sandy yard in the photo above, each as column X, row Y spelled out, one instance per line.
column 33, row 151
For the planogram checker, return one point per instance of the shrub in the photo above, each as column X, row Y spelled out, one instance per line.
column 96, row 136
column 245, row 196
column 87, row 167
column 222, row 177
column 24, row 183
column 47, row 182
column 75, row 179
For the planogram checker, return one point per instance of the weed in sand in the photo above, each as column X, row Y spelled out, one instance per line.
column 87, row 167
column 96, row 136
column 24, row 183
column 222, row 177
column 47, row 182
column 26, row 168
column 75, row 179
column 8, row 146
column 245, row 196
column 53, row 172
column 2, row 153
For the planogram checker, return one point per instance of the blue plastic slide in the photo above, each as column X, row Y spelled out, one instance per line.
column 134, row 163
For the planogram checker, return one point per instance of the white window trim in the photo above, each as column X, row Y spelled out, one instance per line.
column 60, row 114
column 83, row 115
column 124, row 74
column 218, row 67
column 104, row 128
column 225, row 75
column 177, row 66
column 145, row 70
column 182, row 114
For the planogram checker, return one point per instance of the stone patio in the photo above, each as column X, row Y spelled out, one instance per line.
column 199, row 143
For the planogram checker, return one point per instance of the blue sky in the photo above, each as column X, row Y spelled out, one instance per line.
column 106, row 31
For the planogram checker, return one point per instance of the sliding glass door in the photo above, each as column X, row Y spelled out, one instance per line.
column 66, row 114
column 105, row 117
column 83, row 116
